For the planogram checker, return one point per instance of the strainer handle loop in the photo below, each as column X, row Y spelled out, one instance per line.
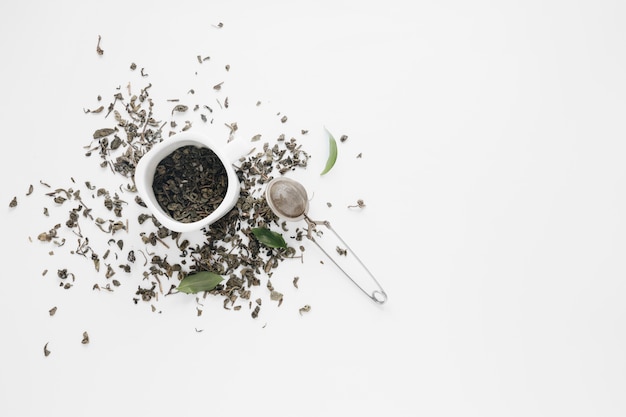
column 378, row 295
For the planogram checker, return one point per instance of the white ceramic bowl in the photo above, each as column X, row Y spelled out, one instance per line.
column 144, row 175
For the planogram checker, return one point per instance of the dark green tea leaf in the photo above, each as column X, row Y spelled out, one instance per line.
column 269, row 238
column 332, row 153
column 201, row 281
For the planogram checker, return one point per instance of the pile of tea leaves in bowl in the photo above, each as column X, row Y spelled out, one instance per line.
column 190, row 183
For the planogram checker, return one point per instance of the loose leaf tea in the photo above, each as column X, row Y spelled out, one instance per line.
column 332, row 153
column 200, row 281
column 85, row 338
column 359, row 204
column 269, row 237
column 99, row 50
column 305, row 309
column 46, row 352
column 190, row 183
column 233, row 259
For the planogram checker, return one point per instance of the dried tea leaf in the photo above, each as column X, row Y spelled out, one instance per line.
column 46, row 352
column 99, row 50
column 201, row 281
column 269, row 238
column 85, row 338
column 101, row 133
column 332, row 153
column 13, row 202
column 359, row 204
column 52, row 311
column 180, row 108
column 305, row 309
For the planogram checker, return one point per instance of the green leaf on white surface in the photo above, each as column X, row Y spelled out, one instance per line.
column 200, row 281
column 332, row 153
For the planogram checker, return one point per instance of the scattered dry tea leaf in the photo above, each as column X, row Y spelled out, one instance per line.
column 85, row 338
column 101, row 133
column 180, row 108
column 99, row 50
column 46, row 352
column 305, row 309
column 295, row 281
column 13, row 202
column 359, row 204
column 276, row 296
column 52, row 311
column 95, row 111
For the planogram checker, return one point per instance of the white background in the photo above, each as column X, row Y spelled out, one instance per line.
column 492, row 135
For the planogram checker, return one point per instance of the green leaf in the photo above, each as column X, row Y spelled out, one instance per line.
column 332, row 153
column 200, row 281
column 269, row 238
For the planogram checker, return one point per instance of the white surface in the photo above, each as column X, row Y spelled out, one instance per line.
column 493, row 171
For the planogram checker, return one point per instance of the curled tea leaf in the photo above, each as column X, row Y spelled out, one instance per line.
column 201, row 281
column 332, row 153
column 180, row 108
column 85, row 338
column 359, row 204
column 46, row 352
column 269, row 238
column 305, row 309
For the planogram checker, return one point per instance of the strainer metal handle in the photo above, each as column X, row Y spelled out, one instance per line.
column 378, row 295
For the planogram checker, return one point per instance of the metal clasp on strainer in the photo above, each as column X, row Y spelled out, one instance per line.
column 288, row 200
